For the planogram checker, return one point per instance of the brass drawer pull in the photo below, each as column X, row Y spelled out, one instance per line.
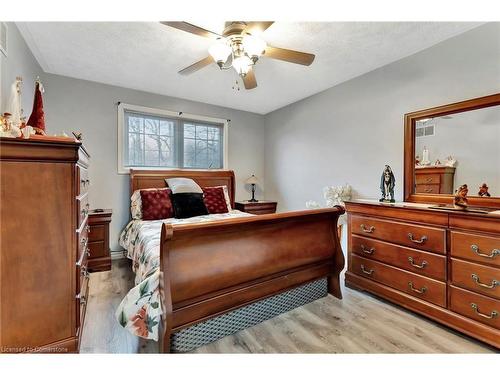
column 428, row 190
column 493, row 284
column 493, row 314
column 429, row 179
column 367, row 251
column 84, row 241
column 364, row 270
column 493, row 254
column 83, row 299
column 421, row 240
column 87, row 228
column 85, row 272
column 419, row 291
column 424, row 263
column 367, row 230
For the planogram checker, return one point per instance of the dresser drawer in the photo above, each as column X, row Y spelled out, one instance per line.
column 82, row 238
column 96, row 233
column 428, row 179
column 415, row 236
column 479, row 248
column 82, row 269
column 475, row 306
column 475, row 277
column 408, row 282
column 81, row 302
column 428, row 189
column 83, row 181
column 97, row 249
column 419, row 262
column 82, row 205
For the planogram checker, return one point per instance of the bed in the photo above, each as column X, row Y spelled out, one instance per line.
column 212, row 276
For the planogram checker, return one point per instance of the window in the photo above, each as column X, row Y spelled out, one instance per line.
column 157, row 139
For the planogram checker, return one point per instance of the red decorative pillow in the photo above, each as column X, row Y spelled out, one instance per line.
column 156, row 204
column 214, row 200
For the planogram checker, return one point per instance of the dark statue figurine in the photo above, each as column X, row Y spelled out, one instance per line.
column 460, row 198
column 483, row 191
column 387, row 183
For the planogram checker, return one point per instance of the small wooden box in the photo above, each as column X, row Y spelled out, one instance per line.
column 257, row 208
column 100, row 257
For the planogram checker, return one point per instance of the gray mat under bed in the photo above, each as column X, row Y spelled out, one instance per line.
column 227, row 324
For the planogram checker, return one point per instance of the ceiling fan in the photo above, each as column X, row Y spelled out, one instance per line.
column 239, row 47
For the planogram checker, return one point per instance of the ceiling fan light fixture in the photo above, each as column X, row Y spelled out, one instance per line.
column 242, row 65
column 220, row 52
column 253, row 46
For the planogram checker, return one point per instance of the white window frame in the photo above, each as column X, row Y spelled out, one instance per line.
column 123, row 107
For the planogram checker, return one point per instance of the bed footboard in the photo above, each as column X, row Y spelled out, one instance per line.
column 208, row 269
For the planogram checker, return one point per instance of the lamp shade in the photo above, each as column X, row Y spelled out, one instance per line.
column 220, row 51
column 252, row 180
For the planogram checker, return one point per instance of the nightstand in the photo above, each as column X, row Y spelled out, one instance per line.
column 100, row 257
column 256, row 208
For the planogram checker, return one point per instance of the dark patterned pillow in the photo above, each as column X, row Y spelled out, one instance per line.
column 215, row 200
column 156, row 204
column 188, row 205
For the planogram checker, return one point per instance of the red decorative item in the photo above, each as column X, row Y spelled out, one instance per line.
column 156, row 204
column 37, row 117
column 214, row 200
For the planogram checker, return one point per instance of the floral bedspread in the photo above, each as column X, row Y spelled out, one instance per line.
column 140, row 310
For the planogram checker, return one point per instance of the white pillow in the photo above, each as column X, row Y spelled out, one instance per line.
column 183, row 185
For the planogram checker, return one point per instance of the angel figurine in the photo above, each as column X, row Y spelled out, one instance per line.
column 387, row 183
column 460, row 198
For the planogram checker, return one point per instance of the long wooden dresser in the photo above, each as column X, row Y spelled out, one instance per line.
column 43, row 244
column 442, row 264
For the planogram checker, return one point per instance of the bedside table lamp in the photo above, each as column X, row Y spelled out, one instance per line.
column 252, row 181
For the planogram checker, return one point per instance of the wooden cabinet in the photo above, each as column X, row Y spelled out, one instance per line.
column 434, row 180
column 99, row 257
column 444, row 265
column 257, row 208
column 43, row 245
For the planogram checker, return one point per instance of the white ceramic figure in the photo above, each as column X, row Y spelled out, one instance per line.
column 312, row 205
column 450, row 161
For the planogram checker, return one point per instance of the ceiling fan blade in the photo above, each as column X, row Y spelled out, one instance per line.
column 193, row 29
column 257, row 26
column 249, row 80
column 197, row 66
column 289, row 55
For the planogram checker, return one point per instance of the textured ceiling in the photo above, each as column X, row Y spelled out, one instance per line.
column 147, row 56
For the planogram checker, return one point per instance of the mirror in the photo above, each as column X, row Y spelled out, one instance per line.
column 453, row 145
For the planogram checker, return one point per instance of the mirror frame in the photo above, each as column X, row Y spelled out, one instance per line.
column 409, row 151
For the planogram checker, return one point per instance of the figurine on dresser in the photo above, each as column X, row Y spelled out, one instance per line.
column 460, row 198
column 483, row 190
column 387, row 183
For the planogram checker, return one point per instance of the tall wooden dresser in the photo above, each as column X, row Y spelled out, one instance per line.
column 442, row 264
column 43, row 244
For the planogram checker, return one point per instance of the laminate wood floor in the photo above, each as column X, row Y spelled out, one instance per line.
column 360, row 323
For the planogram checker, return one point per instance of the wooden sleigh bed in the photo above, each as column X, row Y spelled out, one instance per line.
column 210, row 269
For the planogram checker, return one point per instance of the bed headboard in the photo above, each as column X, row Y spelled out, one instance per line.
column 142, row 179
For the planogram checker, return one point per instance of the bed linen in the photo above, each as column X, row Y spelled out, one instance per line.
column 140, row 311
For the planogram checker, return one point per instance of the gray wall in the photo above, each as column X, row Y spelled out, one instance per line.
column 19, row 62
column 89, row 107
column 347, row 133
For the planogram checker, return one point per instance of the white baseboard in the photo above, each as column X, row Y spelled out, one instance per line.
column 118, row 255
